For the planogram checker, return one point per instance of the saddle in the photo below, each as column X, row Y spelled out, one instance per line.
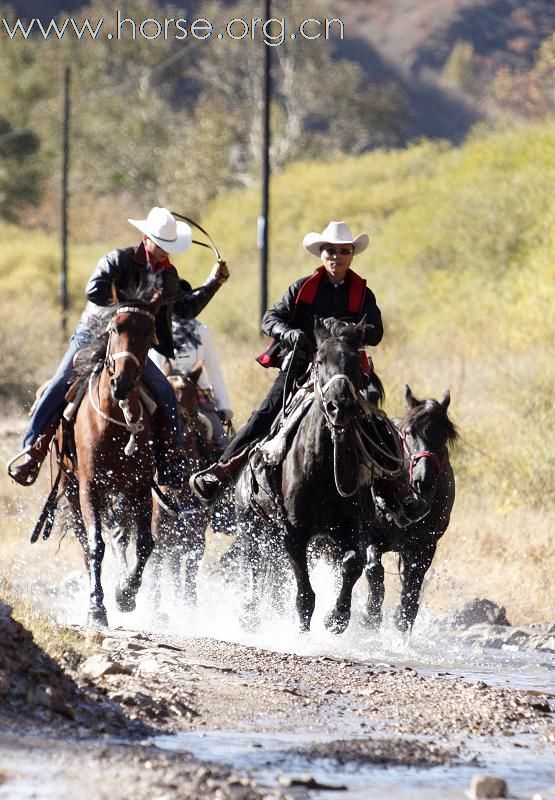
column 263, row 470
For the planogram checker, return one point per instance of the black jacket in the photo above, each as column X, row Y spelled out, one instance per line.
column 125, row 268
column 329, row 301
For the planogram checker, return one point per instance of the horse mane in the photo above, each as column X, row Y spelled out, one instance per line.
column 428, row 413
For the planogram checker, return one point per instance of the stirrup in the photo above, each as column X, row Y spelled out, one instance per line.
column 12, row 461
column 197, row 491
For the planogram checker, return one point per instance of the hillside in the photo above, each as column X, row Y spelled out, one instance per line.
column 419, row 36
column 408, row 44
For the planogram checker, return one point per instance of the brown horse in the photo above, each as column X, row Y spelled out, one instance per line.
column 179, row 520
column 111, row 483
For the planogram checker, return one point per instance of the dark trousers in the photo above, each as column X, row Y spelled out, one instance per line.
column 260, row 420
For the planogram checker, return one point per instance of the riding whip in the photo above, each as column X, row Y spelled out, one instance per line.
column 196, row 225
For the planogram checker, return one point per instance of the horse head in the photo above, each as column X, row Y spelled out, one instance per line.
column 186, row 390
column 427, row 432
column 337, row 370
column 131, row 333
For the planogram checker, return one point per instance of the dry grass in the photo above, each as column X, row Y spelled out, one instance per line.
column 57, row 640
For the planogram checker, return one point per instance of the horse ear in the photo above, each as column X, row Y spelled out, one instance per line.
column 412, row 402
column 445, row 400
column 360, row 327
column 320, row 331
column 194, row 374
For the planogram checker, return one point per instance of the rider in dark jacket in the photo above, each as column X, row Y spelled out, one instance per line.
column 123, row 269
column 333, row 291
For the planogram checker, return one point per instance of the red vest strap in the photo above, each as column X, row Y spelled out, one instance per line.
column 308, row 289
column 356, row 285
column 307, row 293
column 357, row 293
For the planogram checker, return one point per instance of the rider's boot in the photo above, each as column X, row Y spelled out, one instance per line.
column 208, row 484
column 26, row 472
column 171, row 460
column 398, row 501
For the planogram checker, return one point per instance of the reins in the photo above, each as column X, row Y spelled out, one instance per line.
column 364, row 443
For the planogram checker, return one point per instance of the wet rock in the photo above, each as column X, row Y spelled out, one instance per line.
column 484, row 786
column 5, row 610
column 479, row 611
column 308, row 782
column 99, row 665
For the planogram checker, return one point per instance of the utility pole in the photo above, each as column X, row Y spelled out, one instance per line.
column 63, row 293
column 263, row 219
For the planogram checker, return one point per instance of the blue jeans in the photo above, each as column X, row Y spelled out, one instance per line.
column 51, row 405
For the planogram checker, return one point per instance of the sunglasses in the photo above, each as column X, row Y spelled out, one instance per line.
column 342, row 251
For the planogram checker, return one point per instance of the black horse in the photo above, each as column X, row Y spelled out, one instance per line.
column 426, row 433
column 314, row 487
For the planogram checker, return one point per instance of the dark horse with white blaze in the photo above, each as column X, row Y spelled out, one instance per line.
column 426, row 432
column 317, row 483
column 109, row 487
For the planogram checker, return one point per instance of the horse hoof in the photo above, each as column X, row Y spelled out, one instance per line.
column 125, row 601
column 336, row 623
column 371, row 622
column 402, row 623
column 97, row 618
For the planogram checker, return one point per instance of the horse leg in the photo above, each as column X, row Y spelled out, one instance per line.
column 119, row 542
column 372, row 615
column 338, row 618
column 415, row 566
column 306, row 599
column 127, row 592
column 191, row 560
column 94, row 554
column 251, row 559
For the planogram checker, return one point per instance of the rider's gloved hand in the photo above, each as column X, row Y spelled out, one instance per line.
column 295, row 338
column 219, row 273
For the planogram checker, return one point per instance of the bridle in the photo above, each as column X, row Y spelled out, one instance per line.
column 111, row 358
column 133, row 426
column 414, row 458
column 321, row 391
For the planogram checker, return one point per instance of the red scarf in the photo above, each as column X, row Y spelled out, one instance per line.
column 164, row 264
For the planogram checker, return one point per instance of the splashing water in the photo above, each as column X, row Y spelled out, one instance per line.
column 433, row 645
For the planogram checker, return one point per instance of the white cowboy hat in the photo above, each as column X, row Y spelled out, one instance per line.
column 335, row 233
column 162, row 227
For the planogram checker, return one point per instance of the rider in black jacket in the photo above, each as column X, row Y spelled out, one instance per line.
column 333, row 291
column 123, row 269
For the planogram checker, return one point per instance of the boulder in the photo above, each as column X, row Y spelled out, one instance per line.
column 487, row 786
column 479, row 611
column 99, row 665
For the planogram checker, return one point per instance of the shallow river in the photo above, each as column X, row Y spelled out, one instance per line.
column 267, row 752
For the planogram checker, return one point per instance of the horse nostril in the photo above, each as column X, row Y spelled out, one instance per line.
column 331, row 407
